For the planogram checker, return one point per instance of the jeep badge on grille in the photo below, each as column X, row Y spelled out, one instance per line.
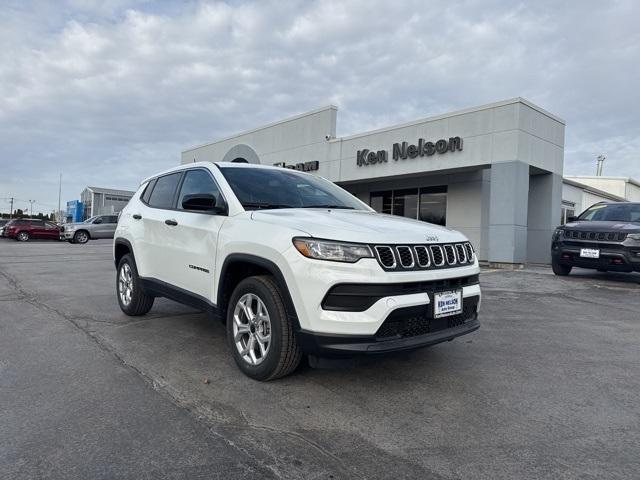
column 432, row 238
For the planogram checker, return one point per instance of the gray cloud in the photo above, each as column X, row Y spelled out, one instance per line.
column 109, row 92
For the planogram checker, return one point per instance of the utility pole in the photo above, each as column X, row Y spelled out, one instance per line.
column 31, row 202
column 11, row 211
column 59, row 196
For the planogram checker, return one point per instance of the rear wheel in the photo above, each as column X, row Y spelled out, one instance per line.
column 23, row 236
column 132, row 299
column 259, row 332
column 81, row 237
column 559, row 269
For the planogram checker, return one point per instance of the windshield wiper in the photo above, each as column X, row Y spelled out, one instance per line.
column 262, row 205
column 344, row 207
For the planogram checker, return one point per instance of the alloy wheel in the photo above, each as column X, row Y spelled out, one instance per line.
column 125, row 284
column 251, row 329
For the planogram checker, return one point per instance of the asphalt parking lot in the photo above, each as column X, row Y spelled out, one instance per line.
column 548, row 388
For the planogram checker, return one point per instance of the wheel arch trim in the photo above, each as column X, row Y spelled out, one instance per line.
column 126, row 243
column 269, row 266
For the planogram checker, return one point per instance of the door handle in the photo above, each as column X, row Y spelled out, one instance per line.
column 136, row 216
column 171, row 222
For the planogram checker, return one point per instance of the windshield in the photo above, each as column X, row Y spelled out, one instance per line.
column 281, row 188
column 612, row 212
column 90, row 219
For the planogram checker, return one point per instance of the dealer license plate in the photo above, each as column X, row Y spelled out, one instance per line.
column 590, row 253
column 447, row 303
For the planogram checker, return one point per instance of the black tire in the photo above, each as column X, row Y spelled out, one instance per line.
column 23, row 236
column 81, row 236
column 139, row 302
column 559, row 269
column 283, row 354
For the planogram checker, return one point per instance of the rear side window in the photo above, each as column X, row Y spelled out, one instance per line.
column 147, row 191
column 112, row 219
column 164, row 191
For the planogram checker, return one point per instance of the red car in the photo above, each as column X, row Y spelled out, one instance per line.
column 23, row 229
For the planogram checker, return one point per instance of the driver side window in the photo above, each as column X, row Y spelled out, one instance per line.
column 198, row 181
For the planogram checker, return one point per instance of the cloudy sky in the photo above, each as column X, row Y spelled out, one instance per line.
column 109, row 92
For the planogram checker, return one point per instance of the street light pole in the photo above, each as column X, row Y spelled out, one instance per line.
column 31, row 202
column 59, row 196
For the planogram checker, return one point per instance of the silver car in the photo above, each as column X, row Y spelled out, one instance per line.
column 99, row 226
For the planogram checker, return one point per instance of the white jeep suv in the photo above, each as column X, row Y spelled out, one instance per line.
column 292, row 264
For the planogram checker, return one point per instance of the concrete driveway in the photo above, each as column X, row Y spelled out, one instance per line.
column 549, row 387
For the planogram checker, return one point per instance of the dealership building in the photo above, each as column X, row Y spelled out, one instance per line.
column 494, row 172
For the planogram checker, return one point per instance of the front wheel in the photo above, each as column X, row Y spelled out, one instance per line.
column 132, row 299
column 261, row 337
column 559, row 269
column 81, row 237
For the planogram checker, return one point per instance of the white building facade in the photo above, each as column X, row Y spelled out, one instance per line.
column 493, row 172
column 102, row 201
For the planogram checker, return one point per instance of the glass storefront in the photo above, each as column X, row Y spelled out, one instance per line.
column 428, row 204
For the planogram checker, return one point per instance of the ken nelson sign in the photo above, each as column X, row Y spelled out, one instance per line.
column 404, row 150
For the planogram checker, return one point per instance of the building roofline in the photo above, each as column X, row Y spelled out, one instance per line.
column 590, row 189
column 464, row 111
column 263, row 127
column 108, row 190
column 630, row 180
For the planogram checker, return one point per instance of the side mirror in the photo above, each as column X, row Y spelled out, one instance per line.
column 571, row 219
column 97, row 221
column 202, row 202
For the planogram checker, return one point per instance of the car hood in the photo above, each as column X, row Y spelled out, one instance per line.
column 602, row 226
column 357, row 226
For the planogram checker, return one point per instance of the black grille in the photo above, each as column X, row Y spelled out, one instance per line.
column 405, row 256
column 609, row 236
column 437, row 255
column 422, row 254
column 386, row 257
column 450, row 253
column 415, row 321
column 469, row 250
column 430, row 256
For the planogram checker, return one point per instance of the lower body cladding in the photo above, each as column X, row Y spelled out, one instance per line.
column 614, row 257
column 396, row 316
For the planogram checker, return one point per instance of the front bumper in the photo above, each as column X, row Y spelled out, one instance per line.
column 615, row 257
column 326, row 345
column 312, row 285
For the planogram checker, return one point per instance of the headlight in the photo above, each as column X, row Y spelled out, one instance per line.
column 334, row 251
column 557, row 234
column 634, row 236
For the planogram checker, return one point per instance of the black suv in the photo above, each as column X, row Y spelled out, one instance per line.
column 605, row 237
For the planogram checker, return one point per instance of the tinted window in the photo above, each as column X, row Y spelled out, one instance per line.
column 199, row 181
column 112, row 219
column 37, row 223
column 615, row 212
column 164, row 191
column 282, row 188
column 147, row 191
